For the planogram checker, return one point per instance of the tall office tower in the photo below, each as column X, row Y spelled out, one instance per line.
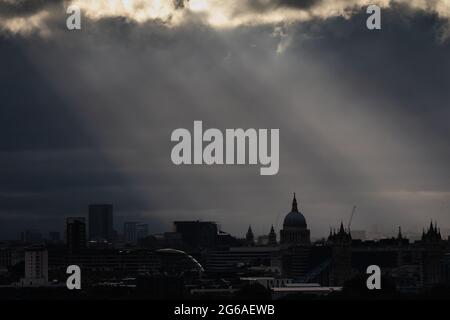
column 130, row 232
column 36, row 266
column 142, row 231
column 76, row 234
column 101, row 222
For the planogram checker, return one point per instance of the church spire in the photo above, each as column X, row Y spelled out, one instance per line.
column 294, row 204
column 249, row 236
column 272, row 237
column 341, row 229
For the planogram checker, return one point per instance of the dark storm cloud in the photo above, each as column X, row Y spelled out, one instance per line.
column 86, row 117
column 408, row 54
column 34, row 117
column 261, row 6
column 48, row 158
column 24, row 8
column 302, row 4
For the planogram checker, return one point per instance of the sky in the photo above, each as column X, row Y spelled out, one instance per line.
column 86, row 115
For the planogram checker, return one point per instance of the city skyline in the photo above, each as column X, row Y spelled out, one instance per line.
column 197, row 259
column 120, row 229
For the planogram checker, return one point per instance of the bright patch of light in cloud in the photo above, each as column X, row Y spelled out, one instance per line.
column 215, row 13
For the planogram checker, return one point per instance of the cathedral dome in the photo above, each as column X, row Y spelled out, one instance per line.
column 294, row 219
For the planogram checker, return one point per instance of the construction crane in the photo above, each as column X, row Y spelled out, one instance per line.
column 351, row 218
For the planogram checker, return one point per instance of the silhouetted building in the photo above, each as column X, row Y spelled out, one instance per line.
column 54, row 236
column 433, row 255
column 296, row 244
column 197, row 233
column 237, row 259
column 31, row 236
column 104, row 263
column 101, row 222
column 162, row 287
column 272, row 237
column 341, row 263
column 76, row 234
column 341, row 237
column 130, row 232
column 433, row 234
column 172, row 240
column 446, row 268
column 36, row 267
column 295, row 260
column 249, row 237
column 141, row 231
column 295, row 230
